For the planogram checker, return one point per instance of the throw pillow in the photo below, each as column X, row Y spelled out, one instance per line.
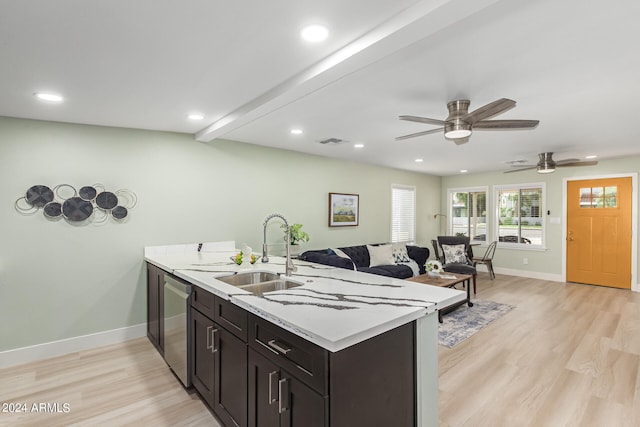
column 454, row 254
column 380, row 255
column 400, row 254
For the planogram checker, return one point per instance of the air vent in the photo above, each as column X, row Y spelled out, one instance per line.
column 332, row 141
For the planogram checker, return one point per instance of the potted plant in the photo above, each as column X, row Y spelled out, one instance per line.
column 297, row 236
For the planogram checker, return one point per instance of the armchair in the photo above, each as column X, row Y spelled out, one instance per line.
column 454, row 256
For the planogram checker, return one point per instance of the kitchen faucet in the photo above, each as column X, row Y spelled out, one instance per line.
column 289, row 267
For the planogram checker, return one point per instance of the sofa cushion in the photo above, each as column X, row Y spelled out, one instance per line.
column 397, row 271
column 358, row 254
column 458, row 268
column 380, row 255
column 339, row 253
column 326, row 258
column 376, row 270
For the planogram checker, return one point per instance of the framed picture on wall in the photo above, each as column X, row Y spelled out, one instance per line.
column 343, row 209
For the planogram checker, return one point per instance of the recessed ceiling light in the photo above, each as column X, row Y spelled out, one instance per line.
column 463, row 171
column 296, row 131
column 419, row 160
column 49, row 97
column 358, row 145
column 314, row 33
column 195, row 116
column 592, row 156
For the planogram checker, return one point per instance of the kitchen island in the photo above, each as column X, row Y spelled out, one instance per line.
column 339, row 311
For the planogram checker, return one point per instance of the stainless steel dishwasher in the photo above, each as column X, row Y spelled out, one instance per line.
column 177, row 301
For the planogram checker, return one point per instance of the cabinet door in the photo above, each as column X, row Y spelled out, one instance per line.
column 230, row 378
column 202, row 334
column 264, row 376
column 276, row 398
column 155, row 311
column 300, row 405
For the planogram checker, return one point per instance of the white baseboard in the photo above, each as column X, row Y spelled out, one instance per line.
column 32, row 353
column 525, row 273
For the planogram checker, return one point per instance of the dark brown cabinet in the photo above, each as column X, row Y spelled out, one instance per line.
column 202, row 336
column 293, row 382
column 279, row 399
column 252, row 372
column 219, row 358
column 230, row 379
column 155, row 306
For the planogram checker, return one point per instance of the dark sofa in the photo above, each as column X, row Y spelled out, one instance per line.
column 359, row 258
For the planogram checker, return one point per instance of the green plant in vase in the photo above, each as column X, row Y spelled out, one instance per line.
column 296, row 234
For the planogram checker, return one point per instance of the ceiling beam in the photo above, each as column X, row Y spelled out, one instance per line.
column 403, row 29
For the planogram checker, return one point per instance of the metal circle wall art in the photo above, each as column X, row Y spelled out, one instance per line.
column 92, row 203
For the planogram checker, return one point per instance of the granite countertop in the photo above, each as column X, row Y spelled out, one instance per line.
column 333, row 308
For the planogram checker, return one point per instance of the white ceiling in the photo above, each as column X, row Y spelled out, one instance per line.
column 574, row 65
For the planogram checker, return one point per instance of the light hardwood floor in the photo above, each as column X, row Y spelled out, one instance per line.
column 125, row 384
column 567, row 355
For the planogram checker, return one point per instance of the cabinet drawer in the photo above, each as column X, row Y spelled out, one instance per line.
column 231, row 317
column 303, row 359
column 204, row 301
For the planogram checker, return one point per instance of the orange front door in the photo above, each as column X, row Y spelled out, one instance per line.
column 599, row 232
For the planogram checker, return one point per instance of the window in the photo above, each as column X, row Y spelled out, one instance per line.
column 403, row 214
column 599, row 197
column 468, row 212
column 519, row 212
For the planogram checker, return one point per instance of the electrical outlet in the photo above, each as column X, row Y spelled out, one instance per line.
column 525, row 261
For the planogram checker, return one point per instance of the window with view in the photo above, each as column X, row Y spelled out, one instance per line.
column 468, row 213
column 519, row 213
column 403, row 214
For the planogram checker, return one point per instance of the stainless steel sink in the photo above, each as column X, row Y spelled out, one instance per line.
column 251, row 278
column 270, row 286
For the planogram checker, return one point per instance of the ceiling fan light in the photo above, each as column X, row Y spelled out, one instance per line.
column 546, row 168
column 457, row 130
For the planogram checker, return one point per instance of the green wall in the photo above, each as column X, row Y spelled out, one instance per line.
column 547, row 263
column 59, row 280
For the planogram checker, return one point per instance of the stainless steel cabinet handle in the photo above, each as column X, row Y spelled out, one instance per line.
column 209, row 343
column 273, row 383
column 213, row 340
column 283, row 395
column 273, row 344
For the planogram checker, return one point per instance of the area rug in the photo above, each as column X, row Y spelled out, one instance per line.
column 465, row 321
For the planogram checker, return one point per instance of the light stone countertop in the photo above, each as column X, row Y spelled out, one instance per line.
column 333, row 308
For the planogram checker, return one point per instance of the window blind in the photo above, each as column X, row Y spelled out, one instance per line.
column 403, row 214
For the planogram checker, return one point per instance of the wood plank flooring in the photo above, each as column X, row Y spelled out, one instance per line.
column 125, row 384
column 567, row 355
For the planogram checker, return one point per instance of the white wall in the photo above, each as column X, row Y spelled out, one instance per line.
column 59, row 280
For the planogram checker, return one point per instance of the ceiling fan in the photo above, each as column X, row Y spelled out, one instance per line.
column 546, row 164
column 460, row 123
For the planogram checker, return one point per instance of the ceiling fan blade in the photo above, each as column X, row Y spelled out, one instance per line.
column 590, row 163
column 460, row 141
column 413, row 135
column 505, row 124
column 522, row 169
column 491, row 109
column 422, row 120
